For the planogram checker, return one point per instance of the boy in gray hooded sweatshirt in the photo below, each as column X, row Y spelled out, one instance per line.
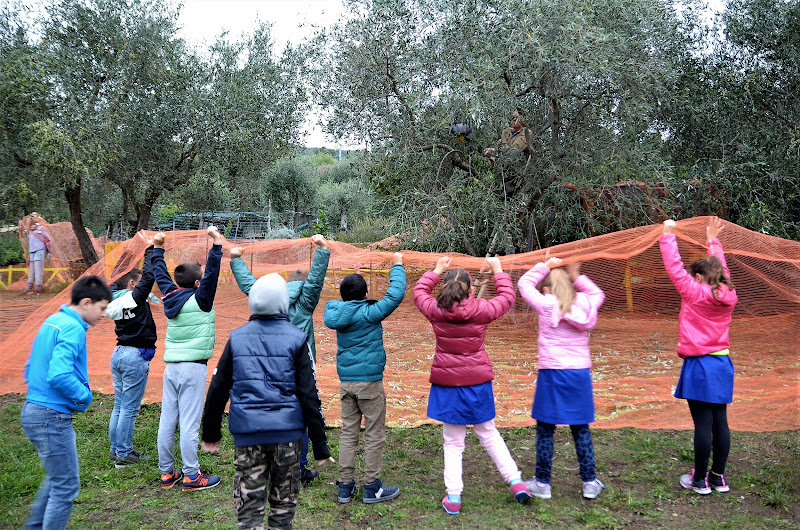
column 267, row 372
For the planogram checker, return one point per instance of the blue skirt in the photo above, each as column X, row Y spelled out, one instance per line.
column 563, row 397
column 462, row 405
column 708, row 378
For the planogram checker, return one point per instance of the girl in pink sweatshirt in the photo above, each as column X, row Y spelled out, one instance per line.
column 706, row 381
column 461, row 374
column 567, row 304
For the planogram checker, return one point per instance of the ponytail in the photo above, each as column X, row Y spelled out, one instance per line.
column 560, row 285
column 711, row 269
column 456, row 287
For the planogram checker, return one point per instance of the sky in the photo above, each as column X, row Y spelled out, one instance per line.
column 202, row 21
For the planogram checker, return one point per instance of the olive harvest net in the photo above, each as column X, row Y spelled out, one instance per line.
column 635, row 367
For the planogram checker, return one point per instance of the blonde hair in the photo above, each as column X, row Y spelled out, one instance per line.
column 560, row 285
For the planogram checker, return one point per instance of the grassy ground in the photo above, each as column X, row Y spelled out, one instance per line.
column 640, row 469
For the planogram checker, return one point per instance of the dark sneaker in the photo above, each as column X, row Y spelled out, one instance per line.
column 307, row 476
column 377, row 492
column 112, row 455
column 718, row 482
column 201, row 481
column 698, row 486
column 130, row 459
column 170, row 479
column 347, row 490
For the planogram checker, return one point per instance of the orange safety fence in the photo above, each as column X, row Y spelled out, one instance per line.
column 635, row 367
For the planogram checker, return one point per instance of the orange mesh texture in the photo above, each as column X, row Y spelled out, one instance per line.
column 635, row 365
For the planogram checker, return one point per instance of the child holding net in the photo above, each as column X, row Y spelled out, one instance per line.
column 567, row 304
column 461, row 375
column 706, row 381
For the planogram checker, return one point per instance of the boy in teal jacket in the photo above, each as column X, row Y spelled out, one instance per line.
column 58, row 386
column 360, row 360
column 304, row 292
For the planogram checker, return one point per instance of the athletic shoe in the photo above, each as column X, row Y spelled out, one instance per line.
column 347, row 490
column 538, row 489
column 112, row 455
column 592, row 489
column 718, row 482
column 377, row 492
column 201, row 481
column 698, row 486
column 520, row 492
column 453, row 508
column 131, row 458
column 170, row 479
column 307, row 476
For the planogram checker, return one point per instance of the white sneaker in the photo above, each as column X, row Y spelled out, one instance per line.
column 592, row 489
column 538, row 489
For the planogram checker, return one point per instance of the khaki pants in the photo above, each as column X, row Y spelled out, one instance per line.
column 367, row 400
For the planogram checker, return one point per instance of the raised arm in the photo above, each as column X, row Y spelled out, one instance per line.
column 208, row 283
column 312, row 288
column 423, row 299
column 394, row 294
column 163, row 279
column 241, row 272
column 527, row 285
column 145, row 285
column 505, row 296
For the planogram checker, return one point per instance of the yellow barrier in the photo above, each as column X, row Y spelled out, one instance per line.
column 11, row 269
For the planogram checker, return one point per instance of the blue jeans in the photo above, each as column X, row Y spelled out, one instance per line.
column 130, row 372
column 53, row 437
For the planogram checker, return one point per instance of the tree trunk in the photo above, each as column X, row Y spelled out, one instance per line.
column 143, row 213
column 343, row 221
column 73, row 196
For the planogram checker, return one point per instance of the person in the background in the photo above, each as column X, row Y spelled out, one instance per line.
column 38, row 248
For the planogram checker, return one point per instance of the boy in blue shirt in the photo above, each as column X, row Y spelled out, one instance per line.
column 58, row 385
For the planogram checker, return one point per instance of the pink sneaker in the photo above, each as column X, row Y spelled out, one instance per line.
column 453, row 508
column 521, row 493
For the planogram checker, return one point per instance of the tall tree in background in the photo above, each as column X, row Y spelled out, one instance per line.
column 591, row 77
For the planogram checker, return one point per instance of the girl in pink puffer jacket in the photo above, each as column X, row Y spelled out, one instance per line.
column 567, row 304
column 461, row 375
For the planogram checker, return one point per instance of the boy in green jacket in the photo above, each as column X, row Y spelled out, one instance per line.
column 360, row 360
column 305, row 288
column 189, row 344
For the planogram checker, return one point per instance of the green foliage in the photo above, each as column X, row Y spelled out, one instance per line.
column 11, row 251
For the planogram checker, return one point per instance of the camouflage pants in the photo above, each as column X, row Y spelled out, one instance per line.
column 261, row 466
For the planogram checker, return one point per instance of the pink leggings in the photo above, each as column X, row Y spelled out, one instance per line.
column 490, row 439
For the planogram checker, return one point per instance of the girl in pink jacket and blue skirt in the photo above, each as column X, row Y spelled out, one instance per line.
column 461, row 375
column 706, row 381
column 567, row 304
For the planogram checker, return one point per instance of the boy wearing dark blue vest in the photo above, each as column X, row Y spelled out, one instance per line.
column 189, row 344
column 267, row 372
column 360, row 360
column 304, row 288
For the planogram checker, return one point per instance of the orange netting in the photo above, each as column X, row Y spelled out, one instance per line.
column 635, row 364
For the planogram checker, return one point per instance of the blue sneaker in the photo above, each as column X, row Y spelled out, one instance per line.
column 377, row 492
column 347, row 490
